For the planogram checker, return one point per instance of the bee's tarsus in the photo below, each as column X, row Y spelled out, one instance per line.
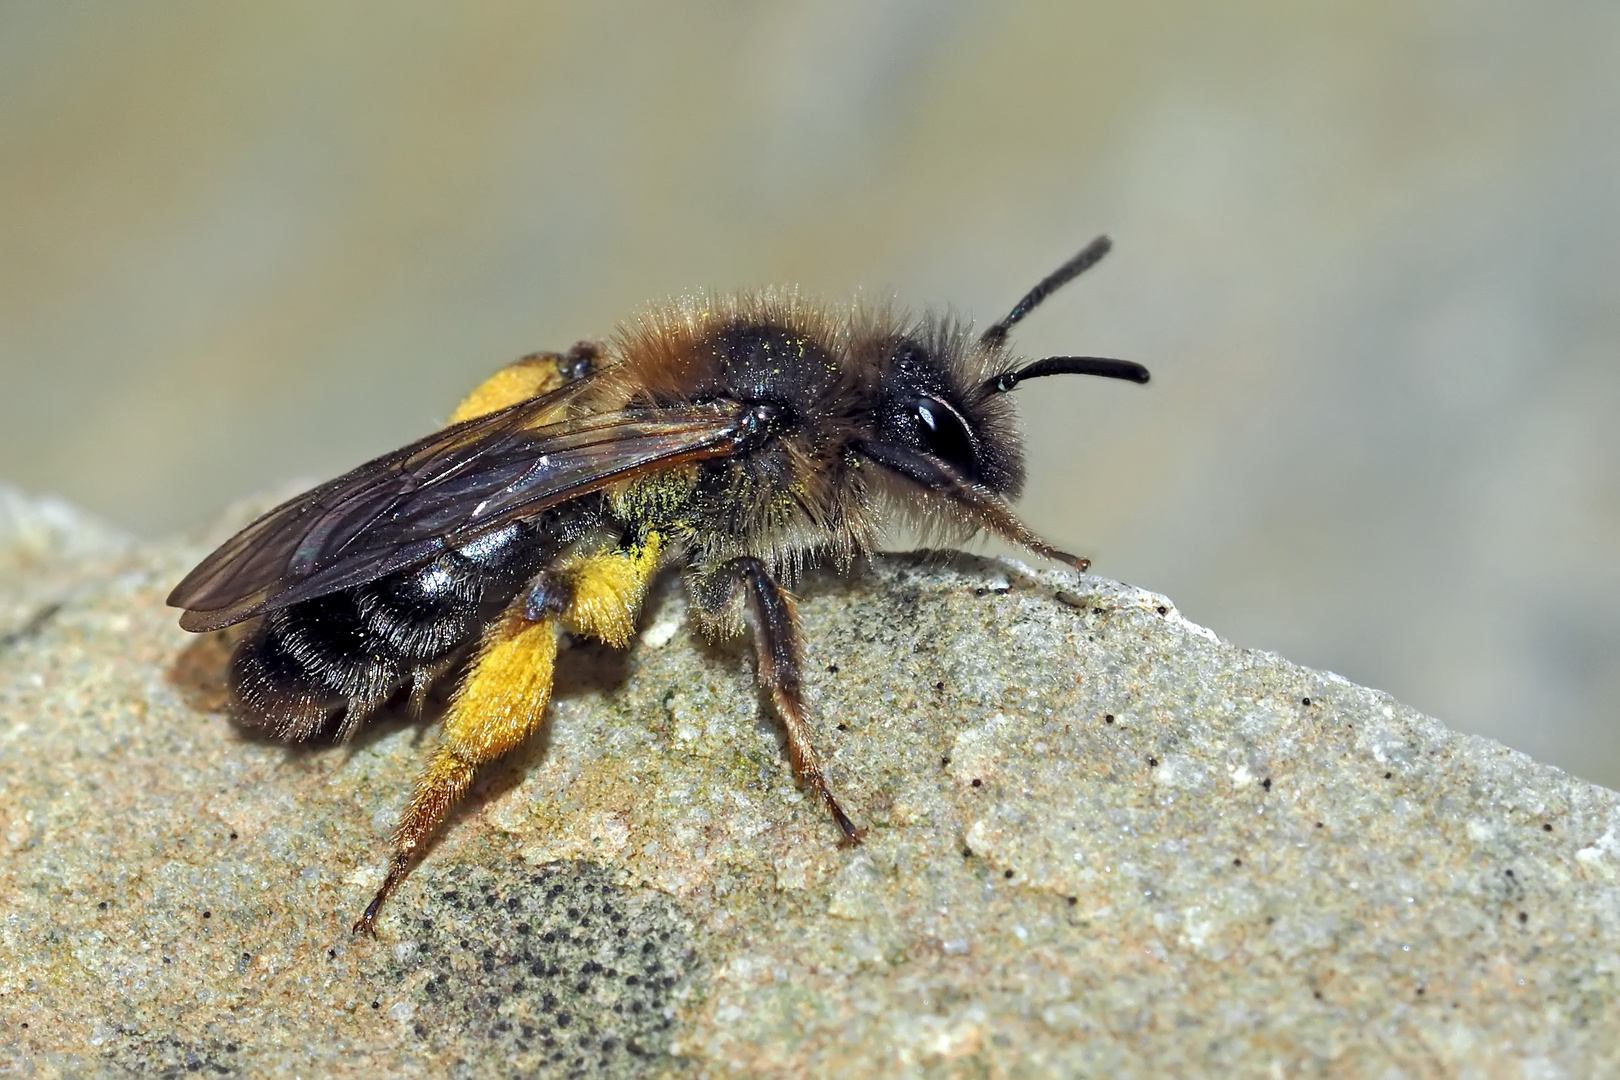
column 397, row 869
column 851, row 833
column 1079, row 562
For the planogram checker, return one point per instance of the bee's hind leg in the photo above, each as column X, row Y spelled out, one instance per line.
column 532, row 375
column 494, row 709
column 506, row 689
column 779, row 655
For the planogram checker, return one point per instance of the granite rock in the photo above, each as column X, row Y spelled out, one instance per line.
column 1099, row 840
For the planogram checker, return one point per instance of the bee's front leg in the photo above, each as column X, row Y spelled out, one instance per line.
column 778, row 649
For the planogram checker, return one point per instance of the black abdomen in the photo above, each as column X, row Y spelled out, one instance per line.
column 351, row 651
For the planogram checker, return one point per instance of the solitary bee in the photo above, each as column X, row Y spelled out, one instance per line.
column 743, row 439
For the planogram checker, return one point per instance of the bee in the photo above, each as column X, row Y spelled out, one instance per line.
column 742, row 439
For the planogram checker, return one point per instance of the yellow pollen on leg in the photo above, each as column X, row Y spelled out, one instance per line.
column 497, row 705
column 503, row 697
column 517, row 381
column 608, row 590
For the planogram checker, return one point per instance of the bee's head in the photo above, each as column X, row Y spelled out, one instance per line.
column 943, row 422
column 845, row 401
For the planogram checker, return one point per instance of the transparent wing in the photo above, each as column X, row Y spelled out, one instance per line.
column 438, row 493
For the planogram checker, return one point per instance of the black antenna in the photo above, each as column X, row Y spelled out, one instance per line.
column 1070, row 365
column 1090, row 256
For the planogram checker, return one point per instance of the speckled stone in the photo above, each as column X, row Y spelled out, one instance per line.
column 1100, row 840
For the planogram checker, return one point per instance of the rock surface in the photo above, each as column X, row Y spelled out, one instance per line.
column 1100, row 840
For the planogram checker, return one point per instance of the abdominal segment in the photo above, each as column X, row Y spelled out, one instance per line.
column 345, row 654
column 336, row 658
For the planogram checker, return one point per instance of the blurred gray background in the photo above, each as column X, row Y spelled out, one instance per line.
column 1370, row 250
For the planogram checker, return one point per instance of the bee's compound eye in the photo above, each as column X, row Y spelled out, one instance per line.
column 944, row 433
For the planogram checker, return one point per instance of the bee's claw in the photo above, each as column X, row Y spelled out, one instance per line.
column 851, row 833
column 367, row 923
